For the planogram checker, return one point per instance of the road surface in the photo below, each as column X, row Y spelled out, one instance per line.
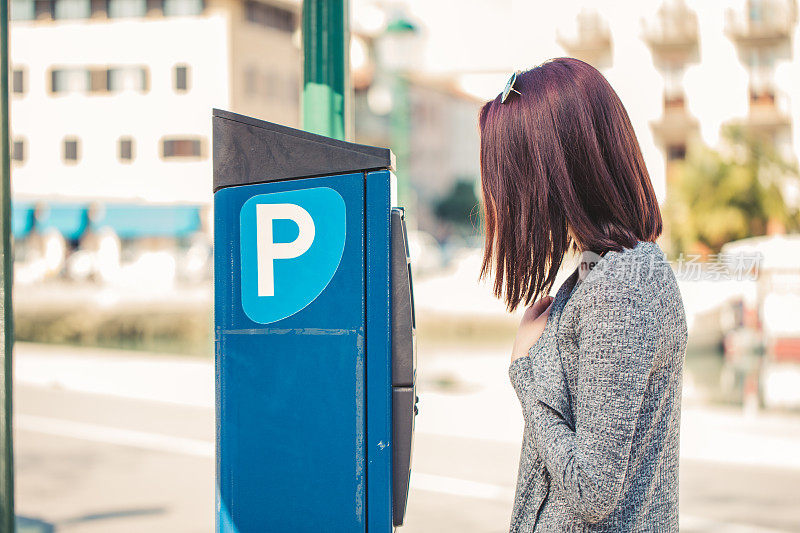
column 123, row 443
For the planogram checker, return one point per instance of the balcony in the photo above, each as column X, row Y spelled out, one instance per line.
column 591, row 43
column 676, row 126
column 769, row 110
column 672, row 36
column 764, row 23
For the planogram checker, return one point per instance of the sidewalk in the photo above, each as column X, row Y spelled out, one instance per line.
column 461, row 395
column 135, row 417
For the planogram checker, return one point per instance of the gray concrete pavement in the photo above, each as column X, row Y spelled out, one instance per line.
column 99, row 481
column 141, row 460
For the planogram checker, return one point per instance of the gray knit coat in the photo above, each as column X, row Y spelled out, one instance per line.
column 601, row 398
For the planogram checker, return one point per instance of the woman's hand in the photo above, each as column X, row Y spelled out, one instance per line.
column 531, row 327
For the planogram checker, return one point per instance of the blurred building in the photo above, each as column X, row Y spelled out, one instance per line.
column 439, row 133
column 684, row 69
column 111, row 122
column 761, row 34
column 673, row 39
column 717, row 63
column 443, row 140
column 111, row 99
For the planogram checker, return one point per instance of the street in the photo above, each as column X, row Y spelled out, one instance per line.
column 117, row 442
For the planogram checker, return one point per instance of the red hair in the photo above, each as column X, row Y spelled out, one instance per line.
column 560, row 168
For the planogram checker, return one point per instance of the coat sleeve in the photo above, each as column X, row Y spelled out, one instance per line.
column 616, row 341
column 521, row 373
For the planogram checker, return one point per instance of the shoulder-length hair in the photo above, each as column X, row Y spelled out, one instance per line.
column 560, row 168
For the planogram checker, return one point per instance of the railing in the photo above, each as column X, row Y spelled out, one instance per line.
column 769, row 107
column 764, row 20
column 674, row 28
column 676, row 126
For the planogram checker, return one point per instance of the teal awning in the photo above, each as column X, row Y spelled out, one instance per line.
column 21, row 219
column 70, row 220
column 132, row 221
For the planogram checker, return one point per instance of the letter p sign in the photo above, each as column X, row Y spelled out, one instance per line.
column 268, row 250
column 291, row 246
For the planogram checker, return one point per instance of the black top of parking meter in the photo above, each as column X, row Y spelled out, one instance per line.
column 248, row 151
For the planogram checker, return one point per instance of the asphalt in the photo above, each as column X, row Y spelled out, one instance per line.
column 99, row 449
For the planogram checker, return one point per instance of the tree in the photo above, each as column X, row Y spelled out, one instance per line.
column 719, row 196
column 459, row 206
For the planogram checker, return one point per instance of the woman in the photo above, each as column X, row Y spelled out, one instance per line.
column 598, row 367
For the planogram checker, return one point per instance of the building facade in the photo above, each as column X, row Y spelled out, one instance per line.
column 685, row 69
column 111, row 99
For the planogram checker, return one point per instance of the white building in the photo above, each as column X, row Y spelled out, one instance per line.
column 111, row 100
column 100, row 111
column 682, row 68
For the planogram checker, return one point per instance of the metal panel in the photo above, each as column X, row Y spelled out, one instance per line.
column 248, row 151
column 290, row 394
column 379, row 376
column 403, row 412
column 404, row 365
column 403, row 334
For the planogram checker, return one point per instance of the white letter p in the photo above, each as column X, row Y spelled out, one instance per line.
column 267, row 250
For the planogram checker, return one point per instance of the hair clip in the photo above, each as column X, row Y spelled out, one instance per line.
column 509, row 88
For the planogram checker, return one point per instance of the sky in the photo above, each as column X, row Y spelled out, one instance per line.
column 482, row 41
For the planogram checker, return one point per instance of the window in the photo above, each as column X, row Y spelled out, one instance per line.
column 674, row 101
column 125, row 152
column 71, row 149
column 174, row 148
column 676, row 152
column 762, row 95
column 69, row 80
column 43, row 9
column 18, row 151
column 271, row 86
column 99, row 8
column 127, row 8
column 127, row 79
column 23, row 10
column 181, row 78
column 72, row 9
column 270, row 16
column 98, row 80
column 178, row 8
column 756, row 10
column 18, row 81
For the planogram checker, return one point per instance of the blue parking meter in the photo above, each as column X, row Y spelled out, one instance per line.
column 314, row 333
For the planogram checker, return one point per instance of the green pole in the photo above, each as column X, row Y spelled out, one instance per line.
column 401, row 139
column 7, row 332
column 326, row 40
